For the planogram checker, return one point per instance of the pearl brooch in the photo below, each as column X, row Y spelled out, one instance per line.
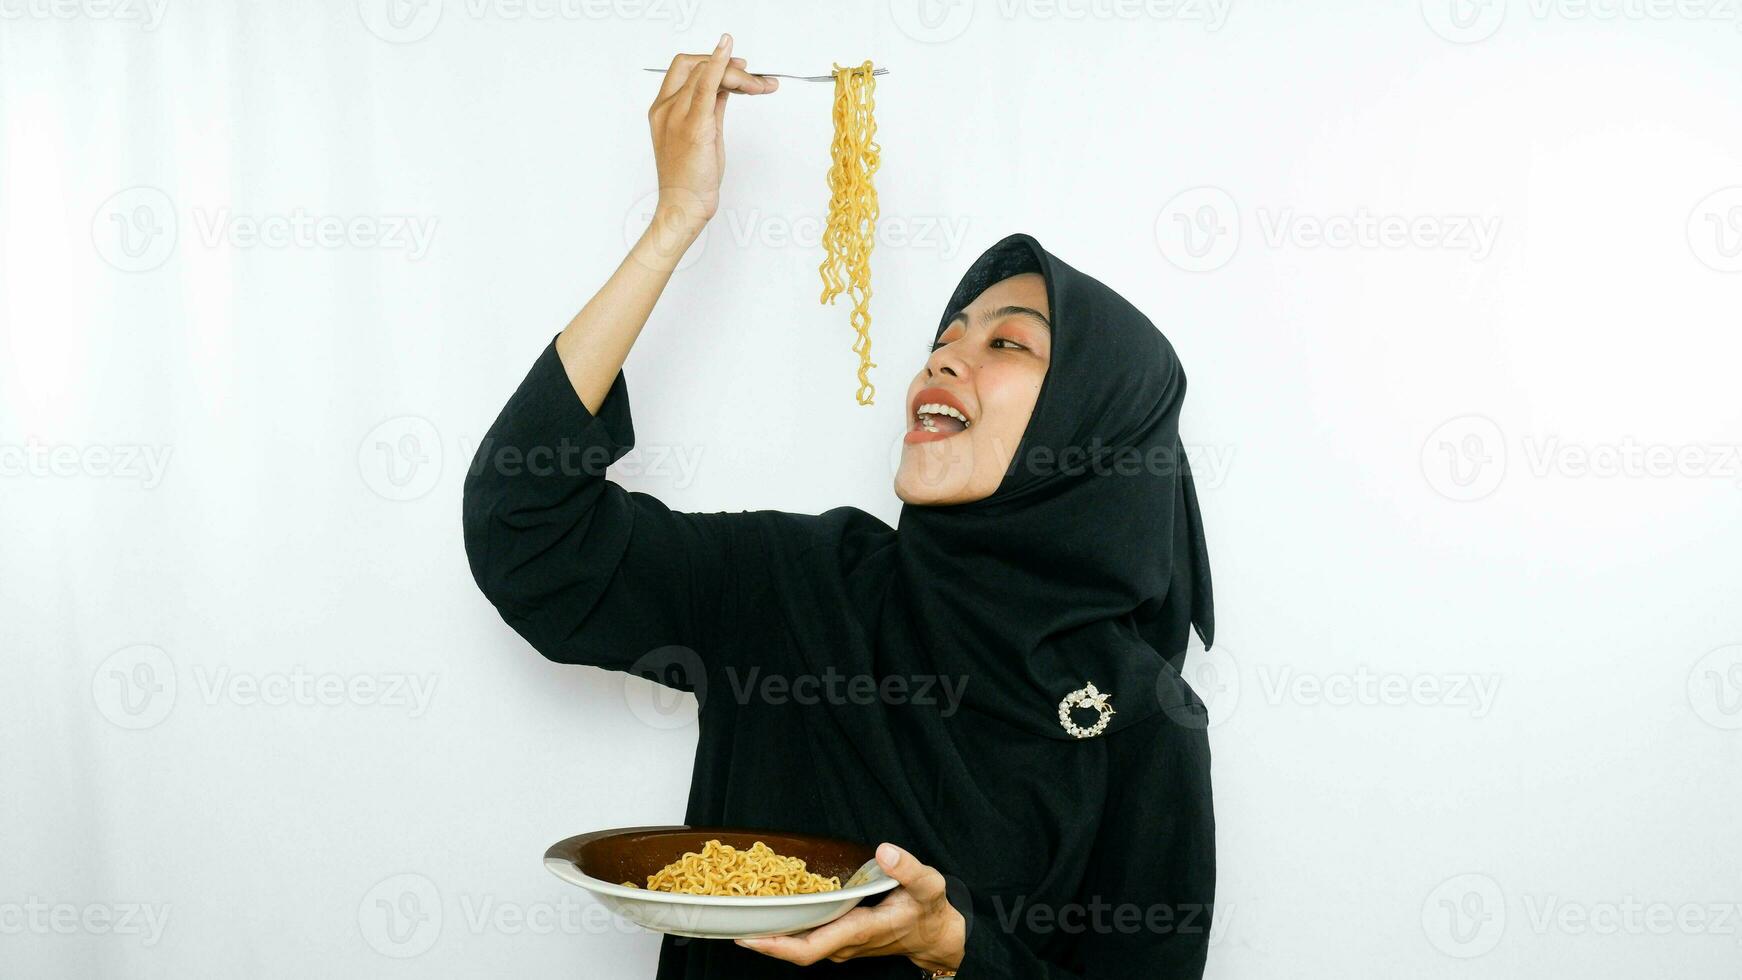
column 1088, row 697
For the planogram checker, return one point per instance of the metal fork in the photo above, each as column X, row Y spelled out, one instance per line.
column 802, row 78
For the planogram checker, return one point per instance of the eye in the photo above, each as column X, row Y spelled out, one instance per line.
column 996, row 340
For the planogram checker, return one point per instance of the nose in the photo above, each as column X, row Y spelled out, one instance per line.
column 944, row 360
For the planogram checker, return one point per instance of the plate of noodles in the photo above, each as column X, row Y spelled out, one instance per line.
column 720, row 882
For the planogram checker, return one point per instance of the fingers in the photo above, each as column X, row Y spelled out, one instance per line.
column 924, row 882
column 676, row 74
column 680, row 78
column 720, row 97
column 900, row 923
column 738, row 80
column 705, row 78
column 863, row 931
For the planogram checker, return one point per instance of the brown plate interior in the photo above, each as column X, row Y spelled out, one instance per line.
column 632, row 853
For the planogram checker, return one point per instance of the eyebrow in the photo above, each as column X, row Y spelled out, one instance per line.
column 1002, row 312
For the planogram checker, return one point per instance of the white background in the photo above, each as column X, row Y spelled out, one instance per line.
column 1472, row 502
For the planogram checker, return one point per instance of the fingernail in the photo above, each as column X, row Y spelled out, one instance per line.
column 723, row 39
column 888, row 854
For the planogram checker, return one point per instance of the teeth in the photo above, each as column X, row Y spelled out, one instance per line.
column 937, row 408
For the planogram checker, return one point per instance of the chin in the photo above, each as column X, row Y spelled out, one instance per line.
column 921, row 482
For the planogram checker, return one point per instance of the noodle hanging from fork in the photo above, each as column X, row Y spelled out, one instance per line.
column 851, row 228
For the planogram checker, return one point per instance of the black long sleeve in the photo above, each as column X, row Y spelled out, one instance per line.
column 585, row 570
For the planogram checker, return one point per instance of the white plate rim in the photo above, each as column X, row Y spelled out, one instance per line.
column 568, row 871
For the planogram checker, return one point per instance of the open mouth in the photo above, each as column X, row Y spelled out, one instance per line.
column 937, row 414
column 938, row 417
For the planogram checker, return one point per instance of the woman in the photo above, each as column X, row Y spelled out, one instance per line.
column 1028, row 746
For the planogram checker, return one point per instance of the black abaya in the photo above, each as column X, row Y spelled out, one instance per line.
column 1072, row 857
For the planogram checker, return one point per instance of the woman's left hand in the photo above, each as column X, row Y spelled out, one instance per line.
column 915, row 920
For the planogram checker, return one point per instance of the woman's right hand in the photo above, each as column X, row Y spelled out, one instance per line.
column 688, row 120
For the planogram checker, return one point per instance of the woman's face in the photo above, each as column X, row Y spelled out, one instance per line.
column 988, row 365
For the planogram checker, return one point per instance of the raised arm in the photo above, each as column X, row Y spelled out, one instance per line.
column 687, row 119
column 585, row 570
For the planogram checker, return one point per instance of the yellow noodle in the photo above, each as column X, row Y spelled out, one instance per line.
column 721, row 869
column 851, row 228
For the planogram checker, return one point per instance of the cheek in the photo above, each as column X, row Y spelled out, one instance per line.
column 1014, row 389
column 1008, row 398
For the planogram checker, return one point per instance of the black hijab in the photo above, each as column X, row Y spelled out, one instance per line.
column 1088, row 561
